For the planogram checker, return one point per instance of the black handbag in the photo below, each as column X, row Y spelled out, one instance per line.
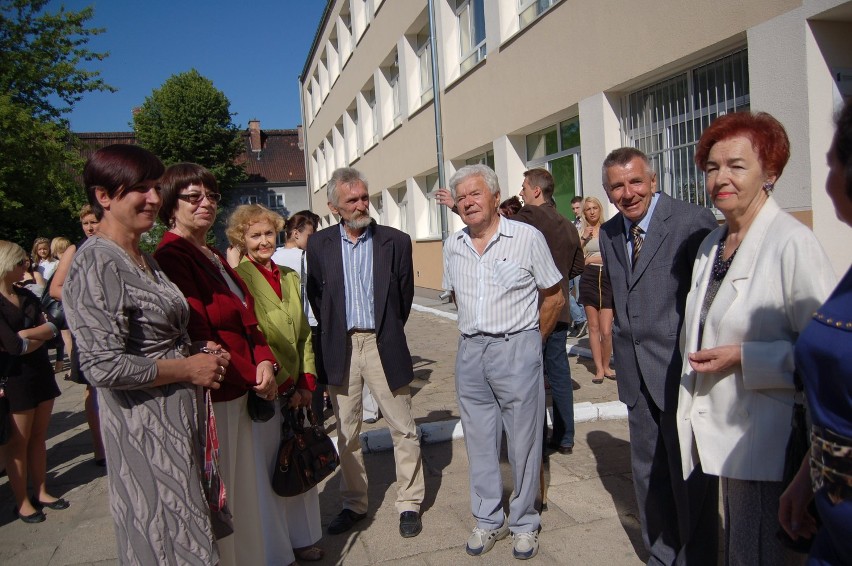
column 260, row 410
column 798, row 446
column 53, row 308
column 5, row 414
column 306, row 455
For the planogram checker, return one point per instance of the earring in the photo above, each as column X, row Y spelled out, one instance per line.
column 768, row 187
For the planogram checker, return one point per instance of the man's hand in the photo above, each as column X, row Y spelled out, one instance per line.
column 552, row 301
column 443, row 196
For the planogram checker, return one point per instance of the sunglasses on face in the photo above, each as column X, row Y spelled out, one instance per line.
column 196, row 198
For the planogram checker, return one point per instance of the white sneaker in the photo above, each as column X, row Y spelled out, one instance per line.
column 525, row 545
column 481, row 541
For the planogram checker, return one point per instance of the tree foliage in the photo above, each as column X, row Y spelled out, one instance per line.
column 189, row 119
column 40, row 80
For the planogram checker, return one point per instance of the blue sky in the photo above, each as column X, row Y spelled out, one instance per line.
column 252, row 50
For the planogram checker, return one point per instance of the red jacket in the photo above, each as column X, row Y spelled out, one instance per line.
column 216, row 314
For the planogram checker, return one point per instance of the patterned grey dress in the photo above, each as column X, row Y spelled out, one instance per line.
column 123, row 320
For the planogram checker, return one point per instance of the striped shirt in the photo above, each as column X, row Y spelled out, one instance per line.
column 497, row 292
column 358, row 280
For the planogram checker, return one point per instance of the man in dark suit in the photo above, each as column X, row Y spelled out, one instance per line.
column 360, row 285
column 648, row 251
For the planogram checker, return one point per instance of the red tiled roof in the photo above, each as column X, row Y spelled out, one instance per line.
column 279, row 161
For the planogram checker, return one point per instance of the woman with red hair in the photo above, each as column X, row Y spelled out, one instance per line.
column 756, row 282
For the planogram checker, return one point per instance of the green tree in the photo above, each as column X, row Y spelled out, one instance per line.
column 189, row 119
column 42, row 55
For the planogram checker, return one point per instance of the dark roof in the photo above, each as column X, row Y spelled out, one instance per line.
column 280, row 160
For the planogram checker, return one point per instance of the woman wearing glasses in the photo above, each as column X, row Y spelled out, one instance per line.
column 222, row 312
column 30, row 387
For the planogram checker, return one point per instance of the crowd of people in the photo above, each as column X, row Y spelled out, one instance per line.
column 715, row 327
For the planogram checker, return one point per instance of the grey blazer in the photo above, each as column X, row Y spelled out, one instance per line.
column 393, row 285
column 649, row 301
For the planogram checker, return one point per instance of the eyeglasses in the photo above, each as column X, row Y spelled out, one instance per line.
column 196, row 198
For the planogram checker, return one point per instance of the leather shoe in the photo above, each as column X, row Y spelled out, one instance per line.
column 561, row 449
column 36, row 517
column 410, row 524
column 344, row 521
column 57, row 505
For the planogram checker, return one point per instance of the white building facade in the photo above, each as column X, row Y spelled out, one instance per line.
column 559, row 84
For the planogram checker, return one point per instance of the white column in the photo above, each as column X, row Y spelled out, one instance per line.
column 600, row 133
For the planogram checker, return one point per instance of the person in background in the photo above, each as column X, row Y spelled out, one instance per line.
column 823, row 352
column 596, row 291
column 253, row 229
column 580, row 324
column 30, row 386
column 58, row 246
column 133, row 346
column 757, row 280
column 297, row 230
column 509, row 207
column 43, row 262
column 89, row 222
column 222, row 315
column 649, row 248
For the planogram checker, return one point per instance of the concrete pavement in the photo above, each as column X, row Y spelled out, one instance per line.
column 591, row 517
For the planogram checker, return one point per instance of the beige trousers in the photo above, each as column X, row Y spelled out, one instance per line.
column 366, row 367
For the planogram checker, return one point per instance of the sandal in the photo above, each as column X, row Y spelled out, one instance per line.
column 611, row 376
column 309, row 553
column 597, row 380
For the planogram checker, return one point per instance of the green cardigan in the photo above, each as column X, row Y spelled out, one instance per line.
column 282, row 321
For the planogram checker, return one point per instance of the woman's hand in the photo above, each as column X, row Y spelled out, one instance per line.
column 793, row 508
column 588, row 233
column 207, row 370
column 266, row 386
column 716, row 360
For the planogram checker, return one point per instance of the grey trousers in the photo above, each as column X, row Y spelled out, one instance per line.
column 500, row 387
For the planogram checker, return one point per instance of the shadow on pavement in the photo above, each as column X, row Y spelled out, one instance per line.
column 606, row 448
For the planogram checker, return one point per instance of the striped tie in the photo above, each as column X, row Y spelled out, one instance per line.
column 636, row 234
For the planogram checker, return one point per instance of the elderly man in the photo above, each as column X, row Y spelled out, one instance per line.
column 360, row 284
column 648, row 250
column 497, row 269
column 564, row 244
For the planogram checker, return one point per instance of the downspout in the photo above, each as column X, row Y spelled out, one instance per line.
column 436, row 104
column 305, row 145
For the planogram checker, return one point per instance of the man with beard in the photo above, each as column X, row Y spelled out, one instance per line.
column 360, row 285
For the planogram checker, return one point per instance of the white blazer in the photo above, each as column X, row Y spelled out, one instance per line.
column 737, row 424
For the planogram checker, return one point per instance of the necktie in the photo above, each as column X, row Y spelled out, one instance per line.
column 636, row 233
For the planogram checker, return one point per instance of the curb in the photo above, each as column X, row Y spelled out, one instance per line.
column 379, row 440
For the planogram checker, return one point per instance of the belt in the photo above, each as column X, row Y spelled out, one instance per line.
column 361, row 331
column 831, row 463
column 501, row 335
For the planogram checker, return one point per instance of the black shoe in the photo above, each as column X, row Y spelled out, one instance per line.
column 344, row 521
column 37, row 517
column 561, row 449
column 57, row 505
column 410, row 524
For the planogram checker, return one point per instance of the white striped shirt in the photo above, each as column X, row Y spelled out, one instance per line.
column 358, row 279
column 497, row 292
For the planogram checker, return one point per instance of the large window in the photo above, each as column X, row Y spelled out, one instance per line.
column 529, row 10
column 666, row 120
column 424, row 57
column 471, row 19
column 486, row 158
column 434, row 225
column 557, row 149
column 393, row 81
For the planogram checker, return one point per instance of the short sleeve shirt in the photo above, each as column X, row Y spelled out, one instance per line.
column 497, row 292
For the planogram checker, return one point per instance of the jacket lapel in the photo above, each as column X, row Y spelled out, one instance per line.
column 257, row 283
column 382, row 265
column 658, row 231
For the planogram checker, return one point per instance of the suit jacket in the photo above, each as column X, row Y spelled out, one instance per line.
column 738, row 423
column 282, row 321
column 562, row 240
column 393, row 285
column 215, row 313
column 648, row 301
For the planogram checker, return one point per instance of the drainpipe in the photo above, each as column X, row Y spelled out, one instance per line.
column 305, row 145
column 436, row 104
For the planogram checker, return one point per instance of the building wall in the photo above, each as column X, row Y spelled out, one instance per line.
column 576, row 60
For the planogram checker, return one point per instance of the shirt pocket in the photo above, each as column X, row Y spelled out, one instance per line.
column 510, row 274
